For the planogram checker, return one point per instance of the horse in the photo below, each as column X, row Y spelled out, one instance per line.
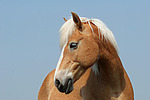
column 89, row 67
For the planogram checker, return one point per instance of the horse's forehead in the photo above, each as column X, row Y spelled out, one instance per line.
column 77, row 35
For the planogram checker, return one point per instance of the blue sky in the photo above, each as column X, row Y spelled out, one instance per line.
column 29, row 41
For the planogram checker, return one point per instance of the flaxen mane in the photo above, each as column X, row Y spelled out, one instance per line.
column 67, row 29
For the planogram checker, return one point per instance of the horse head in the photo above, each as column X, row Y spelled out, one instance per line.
column 80, row 50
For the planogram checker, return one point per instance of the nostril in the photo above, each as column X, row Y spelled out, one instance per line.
column 69, row 79
column 57, row 82
column 59, row 86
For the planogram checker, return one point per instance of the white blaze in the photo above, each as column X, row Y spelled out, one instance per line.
column 59, row 62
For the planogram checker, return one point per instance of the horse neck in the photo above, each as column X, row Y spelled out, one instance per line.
column 111, row 71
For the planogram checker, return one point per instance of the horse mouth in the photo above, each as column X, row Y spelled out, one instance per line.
column 67, row 88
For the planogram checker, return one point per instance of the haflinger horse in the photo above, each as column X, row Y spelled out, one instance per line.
column 89, row 67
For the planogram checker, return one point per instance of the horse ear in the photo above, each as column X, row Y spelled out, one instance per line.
column 77, row 20
column 64, row 19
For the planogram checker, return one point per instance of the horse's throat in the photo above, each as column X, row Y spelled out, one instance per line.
column 105, row 78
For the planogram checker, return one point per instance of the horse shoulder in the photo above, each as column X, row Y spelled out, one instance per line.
column 46, row 86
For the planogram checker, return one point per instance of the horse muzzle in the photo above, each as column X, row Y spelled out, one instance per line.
column 66, row 88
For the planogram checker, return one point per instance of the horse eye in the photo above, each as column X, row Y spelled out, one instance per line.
column 73, row 45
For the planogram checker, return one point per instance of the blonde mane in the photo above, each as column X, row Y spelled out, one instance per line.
column 69, row 27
